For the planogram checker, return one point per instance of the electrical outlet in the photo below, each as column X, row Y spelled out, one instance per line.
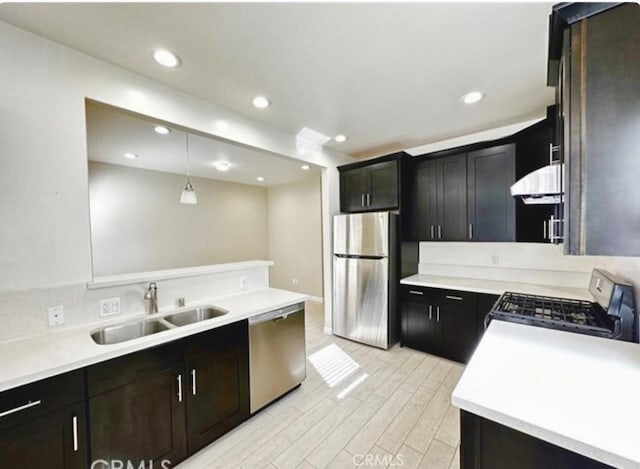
column 295, row 281
column 109, row 306
column 56, row 316
column 244, row 283
column 495, row 260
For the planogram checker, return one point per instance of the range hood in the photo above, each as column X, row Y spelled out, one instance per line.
column 542, row 186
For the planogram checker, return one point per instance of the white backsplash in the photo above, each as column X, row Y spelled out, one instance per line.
column 24, row 313
column 537, row 263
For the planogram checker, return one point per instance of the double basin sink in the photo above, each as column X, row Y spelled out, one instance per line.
column 144, row 327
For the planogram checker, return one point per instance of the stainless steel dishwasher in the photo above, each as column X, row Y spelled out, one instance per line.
column 277, row 355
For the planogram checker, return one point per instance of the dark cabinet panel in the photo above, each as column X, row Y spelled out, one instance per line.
column 489, row 445
column 353, row 190
column 440, row 322
column 56, row 440
column 456, row 315
column 419, row 325
column 601, row 137
column 484, row 304
column 218, row 376
column 371, row 187
column 452, row 198
column 491, row 208
column 426, row 201
column 383, row 184
column 142, row 420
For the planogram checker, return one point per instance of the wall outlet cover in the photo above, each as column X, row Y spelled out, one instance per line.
column 495, row 260
column 109, row 306
column 244, row 283
column 56, row 316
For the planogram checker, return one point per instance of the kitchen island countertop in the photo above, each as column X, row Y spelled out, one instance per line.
column 575, row 391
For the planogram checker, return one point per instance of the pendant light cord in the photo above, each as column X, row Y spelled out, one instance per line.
column 188, row 159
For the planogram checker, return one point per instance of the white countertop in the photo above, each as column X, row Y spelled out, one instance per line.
column 496, row 287
column 28, row 360
column 572, row 390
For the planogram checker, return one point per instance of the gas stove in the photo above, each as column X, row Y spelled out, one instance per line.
column 612, row 314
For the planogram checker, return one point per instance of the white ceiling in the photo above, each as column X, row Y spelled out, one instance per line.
column 389, row 76
column 111, row 132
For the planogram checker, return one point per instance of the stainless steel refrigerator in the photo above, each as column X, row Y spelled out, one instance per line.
column 365, row 278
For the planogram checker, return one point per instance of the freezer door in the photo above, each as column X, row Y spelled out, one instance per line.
column 360, row 297
column 363, row 234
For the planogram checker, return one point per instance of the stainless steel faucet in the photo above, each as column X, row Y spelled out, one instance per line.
column 152, row 295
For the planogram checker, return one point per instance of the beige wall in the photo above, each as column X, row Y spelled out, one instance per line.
column 138, row 223
column 295, row 236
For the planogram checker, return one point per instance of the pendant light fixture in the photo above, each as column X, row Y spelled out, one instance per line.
column 188, row 195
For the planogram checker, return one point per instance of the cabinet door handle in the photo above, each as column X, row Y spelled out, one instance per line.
column 451, row 297
column 416, row 292
column 368, row 199
column 179, row 378
column 193, row 382
column 362, row 199
column 470, row 230
column 438, row 313
column 553, row 149
column 430, row 312
column 439, row 231
column 19, row 408
column 544, row 229
column 75, row 433
column 432, row 232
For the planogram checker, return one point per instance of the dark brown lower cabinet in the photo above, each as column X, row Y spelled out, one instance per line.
column 162, row 404
column 43, row 425
column 447, row 323
column 218, row 377
column 485, row 444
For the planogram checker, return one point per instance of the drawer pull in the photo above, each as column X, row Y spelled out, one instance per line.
column 416, row 292
column 26, row 406
column 75, row 433
column 451, row 297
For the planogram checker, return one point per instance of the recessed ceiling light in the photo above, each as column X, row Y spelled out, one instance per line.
column 260, row 178
column 131, row 156
column 261, row 102
column 222, row 165
column 166, row 58
column 162, row 130
column 340, row 138
column 306, row 167
column 473, row 97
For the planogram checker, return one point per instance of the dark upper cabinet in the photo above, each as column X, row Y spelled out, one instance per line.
column 452, row 198
column 426, row 220
column 43, row 425
column 599, row 100
column 370, row 186
column 491, row 210
column 440, row 201
column 218, row 384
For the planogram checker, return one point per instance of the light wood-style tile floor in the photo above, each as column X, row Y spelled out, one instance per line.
column 359, row 407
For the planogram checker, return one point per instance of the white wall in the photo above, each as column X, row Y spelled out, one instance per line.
column 139, row 225
column 537, row 263
column 295, row 236
column 44, row 239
